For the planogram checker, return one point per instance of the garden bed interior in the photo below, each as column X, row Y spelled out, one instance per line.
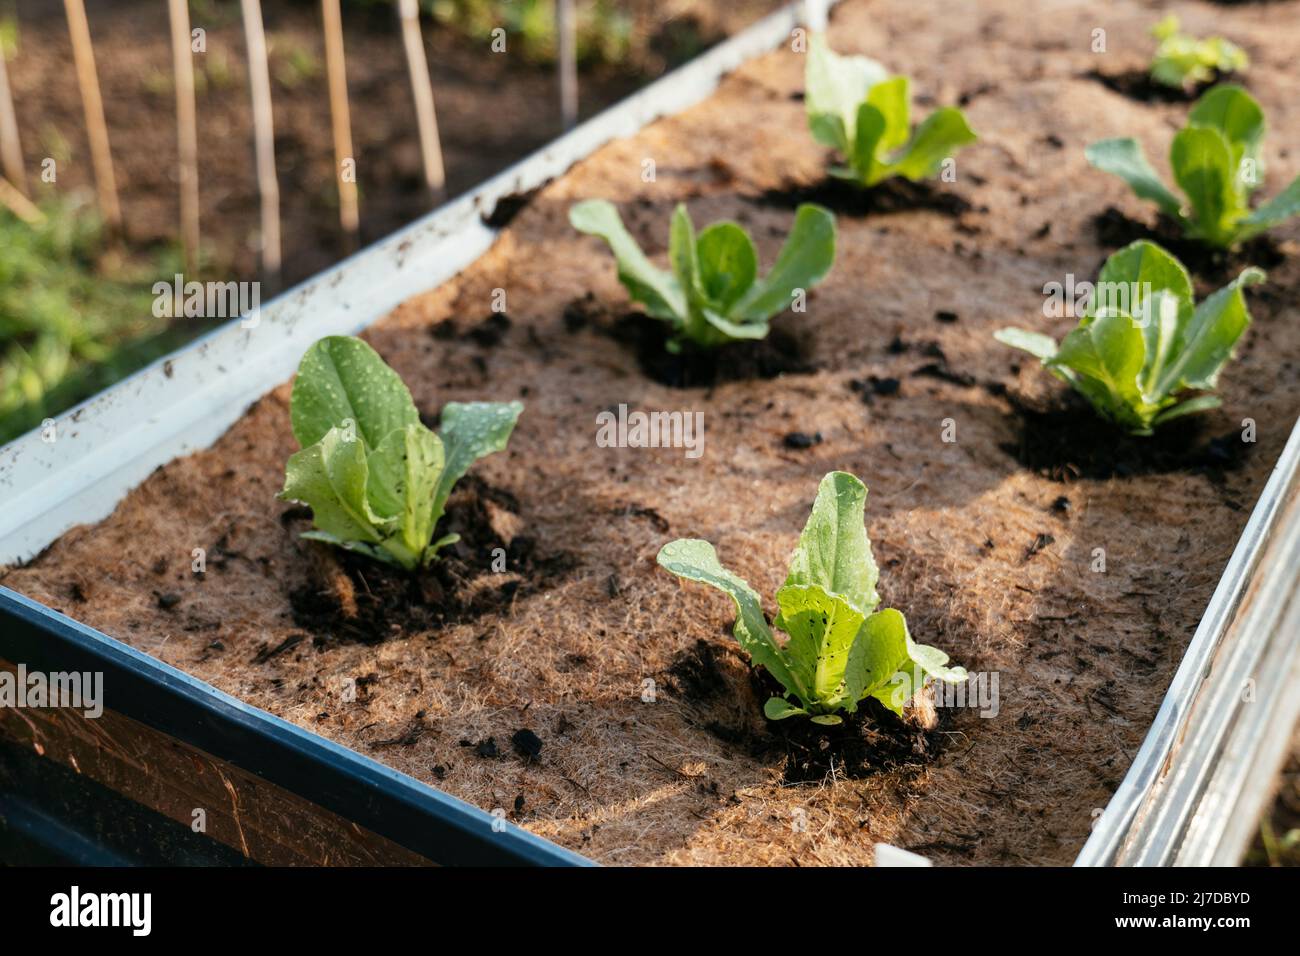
column 987, row 544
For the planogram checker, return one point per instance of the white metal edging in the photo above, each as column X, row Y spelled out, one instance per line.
column 107, row 445
column 1165, row 809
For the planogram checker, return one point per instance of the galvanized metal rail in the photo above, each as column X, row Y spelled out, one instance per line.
column 1195, row 791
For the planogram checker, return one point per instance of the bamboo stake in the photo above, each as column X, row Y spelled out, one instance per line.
column 567, row 61
column 101, row 157
column 815, row 14
column 18, row 204
column 187, row 134
column 11, row 153
column 435, row 176
column 268, row 186
column 340, row 118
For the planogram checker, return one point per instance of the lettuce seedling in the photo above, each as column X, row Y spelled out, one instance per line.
column 713, row 294
column 856, row 107
column 1142, row 345
column 1215, row 159
column 840, row 649
column 1184, row 61
column 376, row 479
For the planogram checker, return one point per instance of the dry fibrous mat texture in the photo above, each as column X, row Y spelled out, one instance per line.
column 603, row 704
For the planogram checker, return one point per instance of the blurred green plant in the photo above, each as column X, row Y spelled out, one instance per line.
column 1182, row 60
column 292, row 63
column 9, row 37
column 71, row 323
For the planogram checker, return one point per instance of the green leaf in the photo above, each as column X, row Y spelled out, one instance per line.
column 1042, row 347
column 1274, row 212
column 899, row 689
column 652, row 287
column 378, row 485
column 404, row 471
column 728, row 264
column 1159, row 316
column 804, row 260
column 1234, row 113
column 1140, row 270
column 878, row 653
column 834, row 85
column 1132, row 368
column 696, row 560
column 1125, row 159
column 916, row 663
column 934, row 662
column 330, row 477
column 1142, row 267
column 1191, row 406
column 1111, row 351
column 822, row 629
column 1203, row 168
column 469, row 431
column 834, row 552
column 892, row 98
column 735, row 330
column 865, row 155
column 1185, row 61
column 939, row 137
column 1204, row 345
column 777, row 708
column 342, row 378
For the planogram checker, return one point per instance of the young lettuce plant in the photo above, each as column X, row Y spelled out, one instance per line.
column 1215, row 159
column 1142, row 345
column 840, row 650
column 1184, row 61
column 713, row 294
column 856, row 107
column 376, row 479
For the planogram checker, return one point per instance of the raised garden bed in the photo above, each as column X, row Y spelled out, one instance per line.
column 528, row 691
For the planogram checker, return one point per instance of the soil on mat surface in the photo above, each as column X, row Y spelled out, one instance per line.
column 602, row 703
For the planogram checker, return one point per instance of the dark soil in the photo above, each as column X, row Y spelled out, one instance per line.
column 871, row 741
column 458, row 586
column 1069, row 440
column 1215, row 267
column 1137, row 85
column 846, row 199
column 782, row 352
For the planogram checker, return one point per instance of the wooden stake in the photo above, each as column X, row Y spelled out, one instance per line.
column 435, row 176
column 11, row 154
column 18, row 204
column 187, row 134
column 101, row 158
column 567, row 61
column 815, row 15
column 268, row 186
column 340, row 119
